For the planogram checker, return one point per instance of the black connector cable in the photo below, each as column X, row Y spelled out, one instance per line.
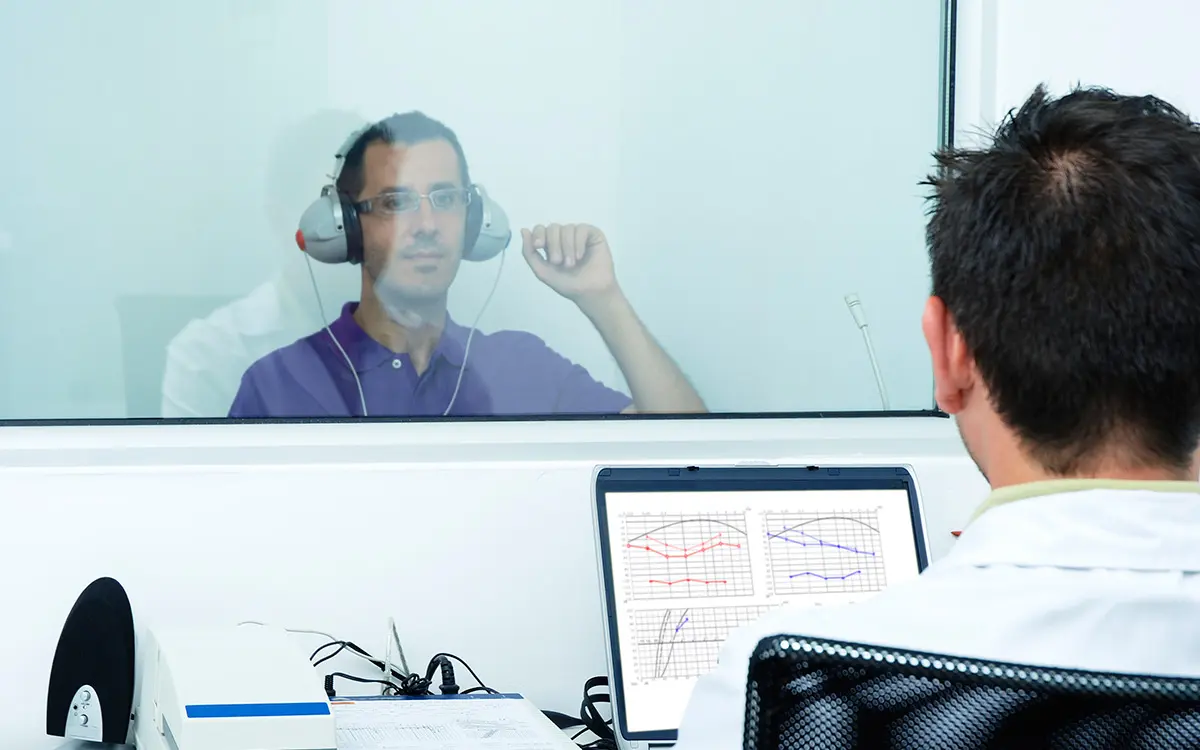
column 329, row 691
column 481, row 687
column 342, row 646
column 590, row 717
column 448, row 686
column 400, row 684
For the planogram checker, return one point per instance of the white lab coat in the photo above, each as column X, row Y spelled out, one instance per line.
column 206, row 360
column 1098, row 579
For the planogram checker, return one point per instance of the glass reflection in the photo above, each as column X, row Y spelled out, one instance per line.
column 702, row 196
column 403, row 206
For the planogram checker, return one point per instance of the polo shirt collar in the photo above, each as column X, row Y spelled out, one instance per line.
column 1013, row 493
column 1086, row 524
column 366, row 353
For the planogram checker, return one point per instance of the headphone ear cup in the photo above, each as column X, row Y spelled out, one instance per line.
column 488, row 232
column 474, row 224
column 352, row 228
column 330, row 230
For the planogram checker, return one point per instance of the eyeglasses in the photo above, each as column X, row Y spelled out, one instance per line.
column 407, row 201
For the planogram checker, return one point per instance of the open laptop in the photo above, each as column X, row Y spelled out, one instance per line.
column 688, row 554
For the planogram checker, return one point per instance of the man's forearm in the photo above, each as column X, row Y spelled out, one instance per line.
column 655, row 381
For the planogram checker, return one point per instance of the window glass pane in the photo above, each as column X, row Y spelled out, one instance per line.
column 703, row 187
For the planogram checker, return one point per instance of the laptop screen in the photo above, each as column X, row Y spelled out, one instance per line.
column 689, row 554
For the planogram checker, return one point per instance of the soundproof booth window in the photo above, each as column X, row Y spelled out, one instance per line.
column 324, row 210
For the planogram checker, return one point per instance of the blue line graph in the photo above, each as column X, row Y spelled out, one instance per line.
column 784, row 535
column 824, row 578
column 824, row 552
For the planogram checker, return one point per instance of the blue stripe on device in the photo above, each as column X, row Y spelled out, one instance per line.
column 253, row 710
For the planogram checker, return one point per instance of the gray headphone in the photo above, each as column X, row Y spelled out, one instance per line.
column 330, row 230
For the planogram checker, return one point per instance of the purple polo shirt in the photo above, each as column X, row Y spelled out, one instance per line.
column 507, row 372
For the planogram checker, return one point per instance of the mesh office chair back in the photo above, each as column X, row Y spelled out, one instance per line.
column 806, row 693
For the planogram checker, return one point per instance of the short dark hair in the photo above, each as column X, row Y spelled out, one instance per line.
column 1068, row 253
column 407, row 128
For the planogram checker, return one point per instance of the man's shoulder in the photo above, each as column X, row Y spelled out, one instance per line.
column 507, row 338
column 292, row 381
column 878, row 620
column 525, row 375
column 510, row 347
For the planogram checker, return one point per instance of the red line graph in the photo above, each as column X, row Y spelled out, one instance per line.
column 682, row 553
column 686, row 580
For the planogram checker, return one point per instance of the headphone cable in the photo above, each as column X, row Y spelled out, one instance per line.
column 471, row 335
column 312, row 276
column 362, row 398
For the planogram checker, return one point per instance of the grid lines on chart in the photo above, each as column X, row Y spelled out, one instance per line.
column 681, row 556
column 825, row 552
column 682, row 643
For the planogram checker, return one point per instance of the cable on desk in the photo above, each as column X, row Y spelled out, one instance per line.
column 412, row 684
column 590, row 717
column 449, row 685
column 352, row 647
column 332, row 693
column 396, row 682
column 353, row 678
column 483, row 688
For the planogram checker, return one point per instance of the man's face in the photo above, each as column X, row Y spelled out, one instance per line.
column 411, row 254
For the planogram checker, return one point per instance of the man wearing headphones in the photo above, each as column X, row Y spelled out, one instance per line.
column 404, row 207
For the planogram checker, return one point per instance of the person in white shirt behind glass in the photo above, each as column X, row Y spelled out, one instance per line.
column 1064, row 328
column 205, row 360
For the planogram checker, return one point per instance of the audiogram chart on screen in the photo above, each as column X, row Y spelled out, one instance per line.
column 824, row 553
column 681, row 556
column 684, row 642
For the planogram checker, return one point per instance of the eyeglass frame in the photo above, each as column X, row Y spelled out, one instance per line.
column 366, row 206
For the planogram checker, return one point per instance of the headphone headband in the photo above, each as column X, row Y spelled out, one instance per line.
column 339, row 158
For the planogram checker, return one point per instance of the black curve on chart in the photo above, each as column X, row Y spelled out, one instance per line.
column 688, row 520
column 662, row 629
column 823, row 518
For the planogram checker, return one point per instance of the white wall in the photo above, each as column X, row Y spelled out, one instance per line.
column 477, row 538
column 141, row 157
column 1007, row 47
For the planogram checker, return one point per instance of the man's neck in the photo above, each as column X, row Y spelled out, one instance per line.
column 417, row 339
column 1019, row 469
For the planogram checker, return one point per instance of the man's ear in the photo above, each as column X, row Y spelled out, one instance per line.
column 953, row 367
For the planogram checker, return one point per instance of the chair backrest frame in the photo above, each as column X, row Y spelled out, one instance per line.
column 786, row 670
